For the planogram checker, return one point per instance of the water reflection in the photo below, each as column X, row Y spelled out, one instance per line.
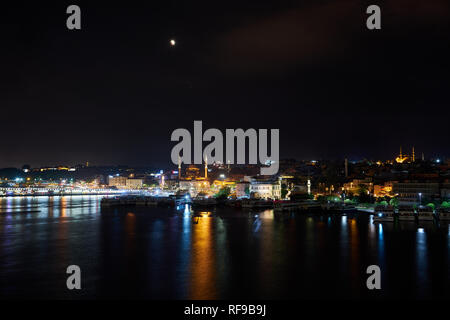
column 165, row 253
column 421, row 260
column 202, row 266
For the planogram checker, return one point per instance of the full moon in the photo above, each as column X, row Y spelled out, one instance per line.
column 172, row 42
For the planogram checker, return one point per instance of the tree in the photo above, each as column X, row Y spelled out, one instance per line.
column 445, row 205
column 223, row 193
column 362, row 189
column 365, row 198
column 431, row 205
column 302, row 196
column 394, row 202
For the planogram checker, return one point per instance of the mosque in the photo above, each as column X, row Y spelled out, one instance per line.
column 192, row 181
column 404, row 158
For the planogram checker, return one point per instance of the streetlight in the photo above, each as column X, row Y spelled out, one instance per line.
column 420, row 198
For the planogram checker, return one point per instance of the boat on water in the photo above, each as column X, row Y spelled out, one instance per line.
column 109, row 202
column 204, row 202
column 348, row 208
column 257, row 203
column 286, row 205
column 406, row 213
column 384, row 214
column 236, row 203
column 444, row 214
column 295, row 205
column 141, row 201
column 338, row 208
column 425, row 213
column 130, row 201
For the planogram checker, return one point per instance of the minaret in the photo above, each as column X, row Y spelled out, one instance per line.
column 206, row 168
column 179, row 168
column 401, row 155
column 423, row 156
column 346, row 167
column 413, row 155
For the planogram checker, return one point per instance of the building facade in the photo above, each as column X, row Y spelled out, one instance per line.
column 412, row 193
column 265, row 190
column 118, row 182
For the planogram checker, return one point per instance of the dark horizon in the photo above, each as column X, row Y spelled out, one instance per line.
column 113, row 92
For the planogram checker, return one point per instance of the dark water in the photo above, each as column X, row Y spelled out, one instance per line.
column 162, row 253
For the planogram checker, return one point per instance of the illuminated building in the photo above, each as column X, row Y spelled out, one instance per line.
column 403, row 158
column 262, row 189
column 383, row 190
column 410, row 193
column 355, row 185
column 134, row 183
column 192, row 182
column 118, row 182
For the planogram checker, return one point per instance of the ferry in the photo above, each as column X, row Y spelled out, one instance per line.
column 384, row 214
column 141, row 201
column 257, row 203
column 425, row 213
column 338, row 208
column 109, row 202
column 204, row 202
column 286, row 205
column 406, row 213
column 296, row 205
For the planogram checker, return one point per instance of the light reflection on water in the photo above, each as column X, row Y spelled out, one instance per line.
column 223, row 253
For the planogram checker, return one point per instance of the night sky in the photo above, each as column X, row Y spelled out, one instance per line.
column 113, row 92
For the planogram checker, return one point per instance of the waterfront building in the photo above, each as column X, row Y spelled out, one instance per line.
column 194, row 187
column 134, row 183
column 265, row 189
column 193, row 182
column 355, row 185
column 119, row 182
column 412, row 193
column 383, row 190
column 445, row 191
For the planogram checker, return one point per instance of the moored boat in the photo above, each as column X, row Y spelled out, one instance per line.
column 444, row 214
column 425, row 213
column 406, row 213
column 257, row 203
column 204, row 202
column 384, row 214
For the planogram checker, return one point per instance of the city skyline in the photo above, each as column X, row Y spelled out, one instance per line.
column 407, row 156
column 113, row 92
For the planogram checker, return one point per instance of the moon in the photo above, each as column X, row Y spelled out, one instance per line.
column 172, row 42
